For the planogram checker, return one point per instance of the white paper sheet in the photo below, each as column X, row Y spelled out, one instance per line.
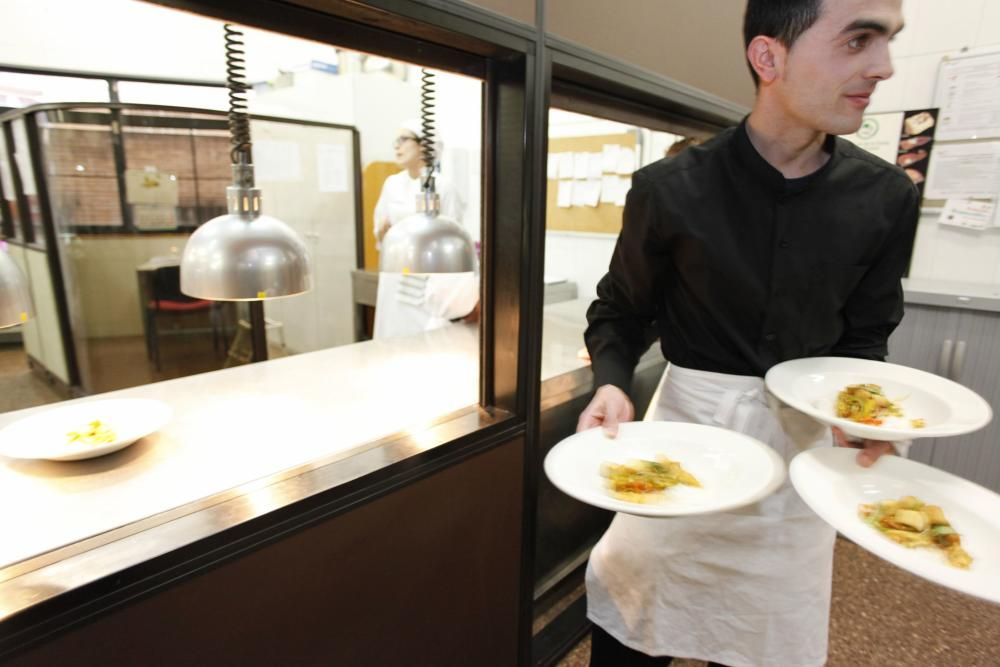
column 332, row 167
column 595, row 164
column 564, row 197
column 624, row 185
column 552, row 172
column 626, row 161
column 964, row 171
column 968, row 93
column 565, row 165
column 579, row 192
column 592, row 192
column 609, row 158
column 581, row 163
column 609, row 188
column 968, row 213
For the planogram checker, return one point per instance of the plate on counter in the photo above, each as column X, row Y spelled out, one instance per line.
column 733, row 469
column 83, row 430
column 945, row 407
column 831, row 482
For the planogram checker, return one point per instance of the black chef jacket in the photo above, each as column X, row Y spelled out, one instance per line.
column 737, row 268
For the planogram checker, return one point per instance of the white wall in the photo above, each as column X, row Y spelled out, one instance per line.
column 935, row 28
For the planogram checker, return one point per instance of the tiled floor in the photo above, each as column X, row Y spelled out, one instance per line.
column 885, row 617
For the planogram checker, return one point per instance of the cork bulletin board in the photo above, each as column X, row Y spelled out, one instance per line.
column 605, row 218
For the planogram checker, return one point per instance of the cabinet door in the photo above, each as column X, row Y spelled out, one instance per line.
column 976, row 456
column 919, row 342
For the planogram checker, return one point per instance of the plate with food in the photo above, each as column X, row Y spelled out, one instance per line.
column 927, row 521
column 878, row 400
column 662, row 469
column 83, row 430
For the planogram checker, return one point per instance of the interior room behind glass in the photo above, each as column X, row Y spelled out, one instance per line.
column 134, row 155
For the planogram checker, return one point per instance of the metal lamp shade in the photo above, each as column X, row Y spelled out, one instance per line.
column 15, row 299
column 423, row 243
column 230, row 258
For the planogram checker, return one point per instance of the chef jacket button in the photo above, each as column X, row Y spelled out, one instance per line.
column 770, row 336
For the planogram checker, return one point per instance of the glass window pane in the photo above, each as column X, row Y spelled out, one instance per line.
column 80, row 166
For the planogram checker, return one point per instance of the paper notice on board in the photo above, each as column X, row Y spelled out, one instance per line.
column 579, row 193
column 609, row 158
column 609, row 188
column 964, row 171
column 581, row 163
column 968, row 213
column 626, row 161
column 332, row 167
column 552, row 171
column 277, row 161
column 968, row 93
column 624, row 185
column 595, row 165
column 564, row 197
column 565, row 165
column 592, row 192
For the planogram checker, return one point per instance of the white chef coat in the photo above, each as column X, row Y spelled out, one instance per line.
column 409, row 304
column 748, row 587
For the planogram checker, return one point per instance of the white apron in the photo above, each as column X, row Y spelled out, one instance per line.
column 748, row 587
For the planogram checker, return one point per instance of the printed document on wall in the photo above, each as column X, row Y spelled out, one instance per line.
column 968, row 93
column 964, row 171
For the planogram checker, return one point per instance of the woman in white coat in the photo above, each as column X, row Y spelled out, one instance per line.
column 410, row 304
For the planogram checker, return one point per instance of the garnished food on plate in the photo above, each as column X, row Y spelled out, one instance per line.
column 644, row 481
column 912, row 523
column 866, row 404
column 918, row 123
column 918, row 423
column 96, row 433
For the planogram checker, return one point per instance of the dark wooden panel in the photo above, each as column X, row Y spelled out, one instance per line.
column 427, row 575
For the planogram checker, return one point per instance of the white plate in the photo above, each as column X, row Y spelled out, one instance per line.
column 811, row 386
column 44, row 435
column 734, row 469
column 832, row 483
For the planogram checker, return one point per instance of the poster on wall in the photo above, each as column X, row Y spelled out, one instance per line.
column 904, row 138
column 968, row 93
column 915, row 144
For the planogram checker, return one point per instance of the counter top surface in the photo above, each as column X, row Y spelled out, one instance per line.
column 952, row 294
column 233, row 427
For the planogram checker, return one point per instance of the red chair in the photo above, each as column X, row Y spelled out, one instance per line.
column 168, row 301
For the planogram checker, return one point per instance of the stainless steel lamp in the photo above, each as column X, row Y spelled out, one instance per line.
column 244, row 255
column 15, row 299
column 427, row 242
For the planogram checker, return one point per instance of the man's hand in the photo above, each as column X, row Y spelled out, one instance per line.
column 871, row 450
column 609, row 406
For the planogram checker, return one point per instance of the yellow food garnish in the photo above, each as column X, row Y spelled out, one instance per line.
column 912, row 523
column 96, row 433
column 866, row 404
column 642, row 481
column 918, row 423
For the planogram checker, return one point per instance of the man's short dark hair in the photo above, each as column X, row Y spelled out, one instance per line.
column 784, row 20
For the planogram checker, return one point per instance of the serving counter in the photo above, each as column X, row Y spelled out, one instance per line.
column 247, row 444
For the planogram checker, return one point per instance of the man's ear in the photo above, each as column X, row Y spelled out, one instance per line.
column 767, row 57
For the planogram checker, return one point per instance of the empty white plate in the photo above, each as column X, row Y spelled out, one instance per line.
column 45, row 435
column 733, row 469
column 947, row 408
column 832, row 483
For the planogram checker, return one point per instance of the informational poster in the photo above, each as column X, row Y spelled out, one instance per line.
column 916, row 144
column 968, row 94
column 879, row 134
column 151, row 186
column 969, row 213
column 332, row 167
column 904, row 138
column 965, row 171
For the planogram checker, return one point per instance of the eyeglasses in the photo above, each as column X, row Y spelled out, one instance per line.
column 399, row 141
